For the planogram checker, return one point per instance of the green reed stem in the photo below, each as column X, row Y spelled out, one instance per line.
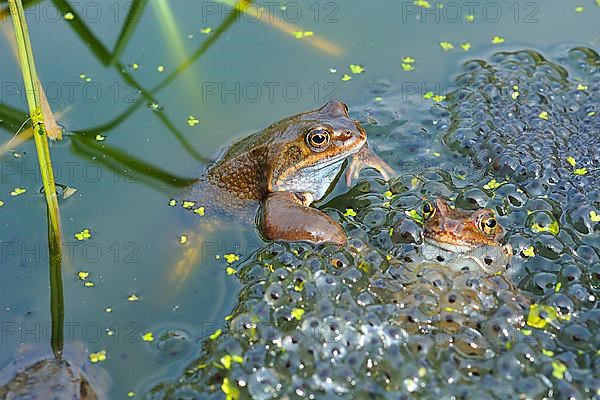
column 32, row 92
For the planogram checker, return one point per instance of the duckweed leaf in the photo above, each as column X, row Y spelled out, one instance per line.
column 558, row 369
column 148, row 337
column 540, row 315
column 17, row 191
column 497, row 40
column 528, row 252
column 199, row 211
column 552, row 228
column 297, row 313
column 98, row 356
column 446, row 46
column 231, row 258
column 356, row 69
column 493, row 184
column 216, row 334
column 188, row 204
column 350, row 213
column 414, row 214
column 83, row 235
column 594, row 217
column 230, row 389
column 192, row 121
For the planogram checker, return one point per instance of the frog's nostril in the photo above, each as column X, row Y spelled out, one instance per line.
column 345, row 135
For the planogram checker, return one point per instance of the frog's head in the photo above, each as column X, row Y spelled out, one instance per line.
column 462, row 239
column 308, row 149
column 457, row 230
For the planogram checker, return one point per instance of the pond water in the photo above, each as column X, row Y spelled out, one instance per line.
column 147, row 103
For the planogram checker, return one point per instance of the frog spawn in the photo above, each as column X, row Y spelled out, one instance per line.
column 380, row 320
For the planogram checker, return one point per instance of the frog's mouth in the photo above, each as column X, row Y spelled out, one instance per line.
column 450, row 247
column 458, row 257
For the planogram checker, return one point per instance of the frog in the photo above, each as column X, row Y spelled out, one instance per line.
column 276, row 174
column 37, row 373
column 463, row 239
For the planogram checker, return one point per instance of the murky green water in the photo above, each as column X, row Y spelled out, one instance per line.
column 245, row 74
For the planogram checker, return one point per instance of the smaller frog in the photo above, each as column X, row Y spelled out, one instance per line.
column 463, row 239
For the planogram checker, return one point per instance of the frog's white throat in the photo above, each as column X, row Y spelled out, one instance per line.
column 315, row 179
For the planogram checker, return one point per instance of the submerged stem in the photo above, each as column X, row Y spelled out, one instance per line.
column 34, row 101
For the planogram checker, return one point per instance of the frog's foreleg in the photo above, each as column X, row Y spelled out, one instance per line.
column 366, row 158
column 286, row 216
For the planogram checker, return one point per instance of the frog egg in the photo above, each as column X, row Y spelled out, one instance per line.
column 276, row 295
column 264, row 384
column 576, row 337
column 592, row 276
column 174, row 343
column 508, row 367
column 549, row 246
column 542, row 283
column 407, row 231
column 244, row 325
column 313, row 263
column 542, row 221
column 374, row 217
column 579, row 218
column 471, row 199
column 281, row 275
column 326, row 379
column 587, row 253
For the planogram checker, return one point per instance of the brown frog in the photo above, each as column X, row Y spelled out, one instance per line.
column 281, row 170
column 461, row 238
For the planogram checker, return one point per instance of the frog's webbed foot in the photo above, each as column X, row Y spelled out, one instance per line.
column 284, row 216
column 190, row 255
column 365, row 158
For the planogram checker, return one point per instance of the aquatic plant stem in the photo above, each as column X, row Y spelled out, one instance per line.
column 34, row 102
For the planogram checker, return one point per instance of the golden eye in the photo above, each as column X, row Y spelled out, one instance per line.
column 318, row 138
column 488, row 225
column 428, row 211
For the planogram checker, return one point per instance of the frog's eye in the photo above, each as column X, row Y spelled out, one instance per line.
column 428, row 211
column 318, row 138
column 488, row 224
